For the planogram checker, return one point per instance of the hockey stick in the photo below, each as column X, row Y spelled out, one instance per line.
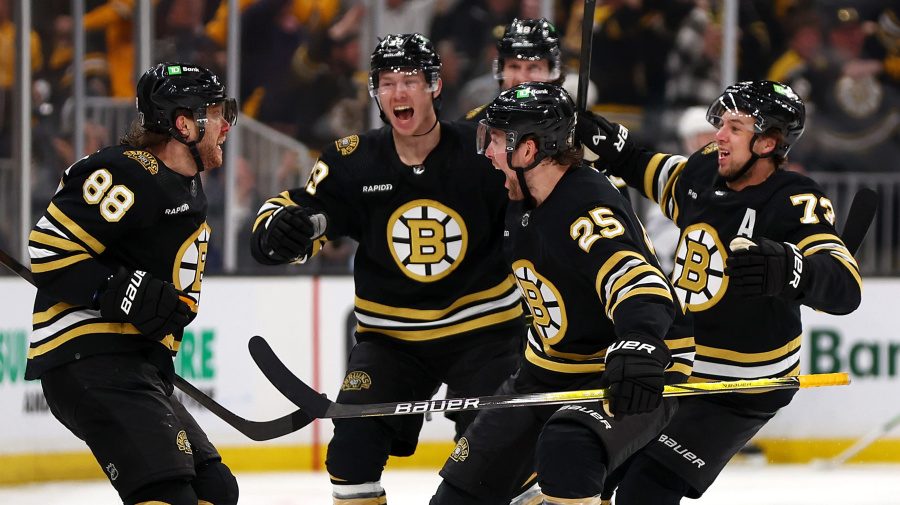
column 859, row 218
column 320, row 407
column 584, row 60
column 254, row 430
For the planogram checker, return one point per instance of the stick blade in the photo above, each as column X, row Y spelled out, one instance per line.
column 294, row 389
column 859, row 218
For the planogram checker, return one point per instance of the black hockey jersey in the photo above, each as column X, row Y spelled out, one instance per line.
column 588, row 272
column 120, row 206
column 429, row 267
column 738, row 337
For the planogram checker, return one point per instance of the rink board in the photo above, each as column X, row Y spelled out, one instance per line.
column 307, row 320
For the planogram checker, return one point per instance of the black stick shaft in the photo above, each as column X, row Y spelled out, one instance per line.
column 584, row 63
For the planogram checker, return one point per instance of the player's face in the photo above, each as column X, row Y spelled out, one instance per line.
column 517, row 71
column 733, row 139
column 407, row 101
column 496, row 152
column 210, row 146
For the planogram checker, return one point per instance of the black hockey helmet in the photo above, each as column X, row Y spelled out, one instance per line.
column 539, row 108
column 170, row 86
column 405, row 52
column 529, row 39
column 770, row 104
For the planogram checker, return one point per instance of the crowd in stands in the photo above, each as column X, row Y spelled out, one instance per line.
column 303, row 72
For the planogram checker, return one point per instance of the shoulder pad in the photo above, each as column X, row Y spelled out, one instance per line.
column 347, row 145
column 712, row 147
column 474, row 112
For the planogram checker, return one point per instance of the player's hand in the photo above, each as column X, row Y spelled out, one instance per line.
column 763, row 267
column 634, row 374
column 153, row 306
column 610, row 142
column 289, row 233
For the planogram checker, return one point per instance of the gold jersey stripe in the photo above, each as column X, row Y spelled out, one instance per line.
column 667, row 190
column 60, row 263
column 655, row 291
column 54, row 241
column 73, row 228
column 434, row 314
column 123, row 328
column 744, row 357
column 417, row 335
column 43, row 317
column 554, row 366
column 650, row 176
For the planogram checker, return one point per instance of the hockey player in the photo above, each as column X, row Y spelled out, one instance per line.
column 118, row 260
column 527, row 51
column 756, row 243
column 434, row 300
column 604, row 316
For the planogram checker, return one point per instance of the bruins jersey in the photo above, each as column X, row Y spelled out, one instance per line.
column 118, row 207
column 739, row 337
column 588, row 272
column 429, row 267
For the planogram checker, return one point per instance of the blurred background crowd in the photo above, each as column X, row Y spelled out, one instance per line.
column 655, row 67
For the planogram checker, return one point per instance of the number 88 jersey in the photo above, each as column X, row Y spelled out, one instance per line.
column 120, row 206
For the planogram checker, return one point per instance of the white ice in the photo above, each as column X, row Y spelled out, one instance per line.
column 738, row 485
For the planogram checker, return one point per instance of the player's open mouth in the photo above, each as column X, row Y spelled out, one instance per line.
column 404, row 113
column 723, row 154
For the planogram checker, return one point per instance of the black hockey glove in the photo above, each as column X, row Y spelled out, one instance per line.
column 290, row 232
column 763, row 267
column 151, row 305
column 634, row 374
column 610, row 142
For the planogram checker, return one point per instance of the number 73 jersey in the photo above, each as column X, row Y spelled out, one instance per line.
column 739, row 337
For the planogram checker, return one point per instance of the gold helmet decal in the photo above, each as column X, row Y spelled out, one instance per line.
column 427, row 239
column 699, row 276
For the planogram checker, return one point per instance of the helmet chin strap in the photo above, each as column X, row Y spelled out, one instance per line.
column 192, row 146
column 429, row 130
column 530, row 200
column 753, row 157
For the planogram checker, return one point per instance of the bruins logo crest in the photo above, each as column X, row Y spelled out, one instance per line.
column 461, row 451
column 147, row 160
column 699, row 274
column 347, row 145
column 183, row 444
column 427, row 239
column 545, row 301
column 356, row 381
column 191, row 262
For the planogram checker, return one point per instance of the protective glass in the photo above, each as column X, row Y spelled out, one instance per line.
column 483, row 137
column 530, row 73
column 230, row 111
column 727, row 104
column 408, row 80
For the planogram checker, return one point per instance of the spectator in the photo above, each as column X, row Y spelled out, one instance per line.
column 856, row 104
